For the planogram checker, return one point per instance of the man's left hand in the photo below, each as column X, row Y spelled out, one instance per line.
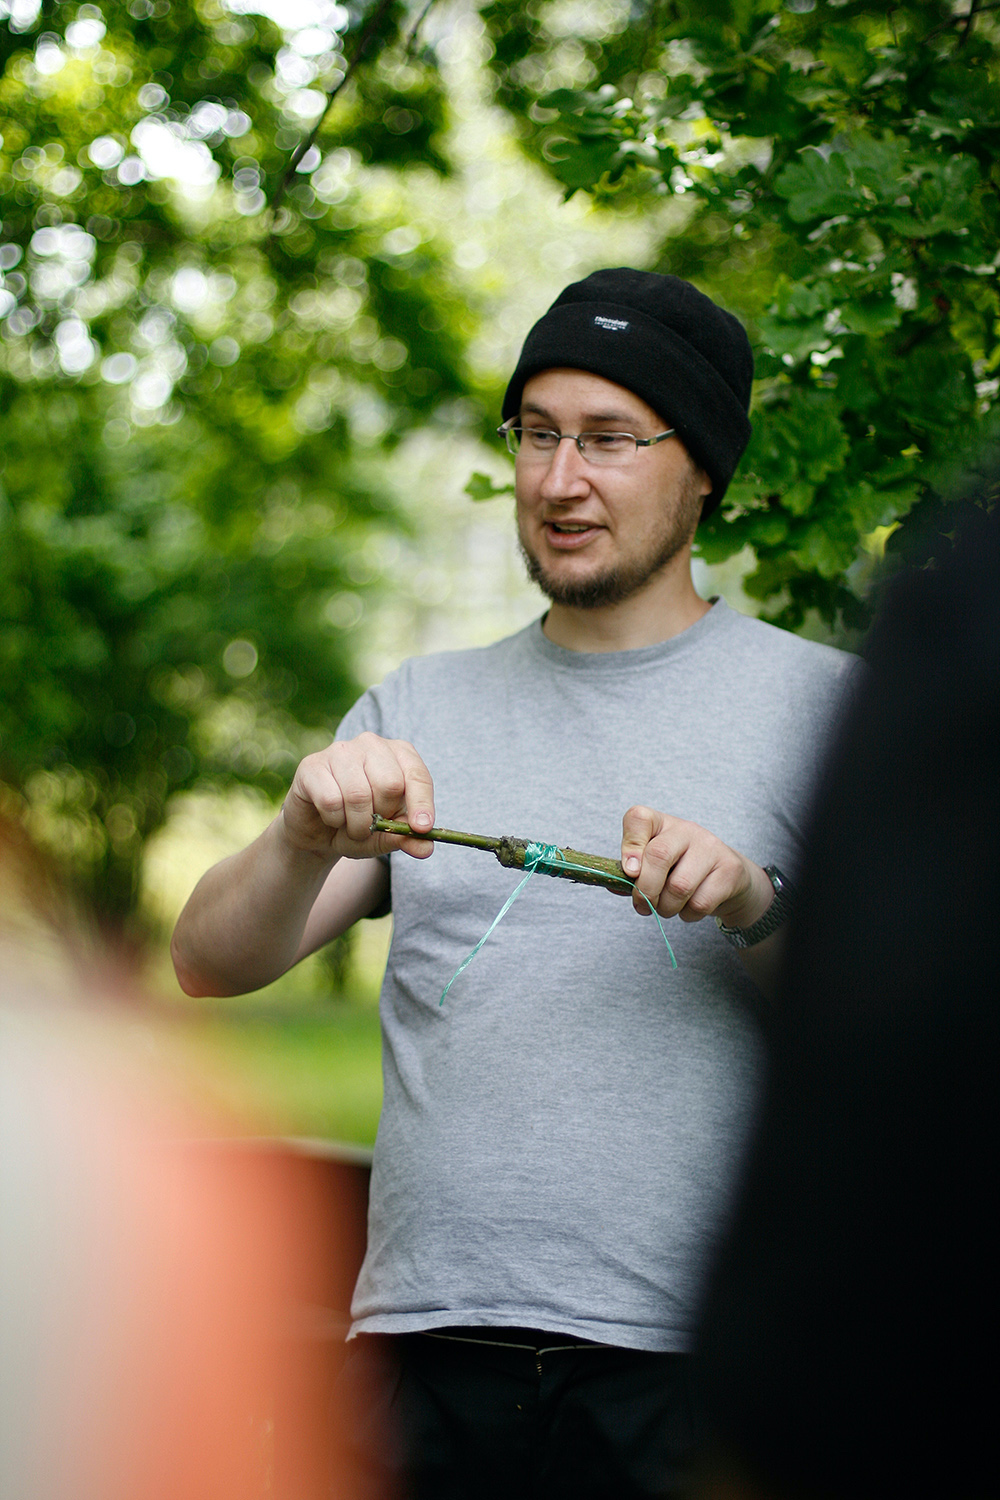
column 687, row 872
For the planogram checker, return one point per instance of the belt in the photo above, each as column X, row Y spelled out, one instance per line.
column 537, row 1340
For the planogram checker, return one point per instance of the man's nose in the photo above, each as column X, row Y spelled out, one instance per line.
column 566, row 475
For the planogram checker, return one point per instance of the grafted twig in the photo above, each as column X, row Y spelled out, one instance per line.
column 564, row 864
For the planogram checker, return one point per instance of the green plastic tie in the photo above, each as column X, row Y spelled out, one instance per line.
column 537, row 857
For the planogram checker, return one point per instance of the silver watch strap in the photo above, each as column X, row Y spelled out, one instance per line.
column 777, row 913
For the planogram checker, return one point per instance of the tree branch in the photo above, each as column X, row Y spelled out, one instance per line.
column 364, row 41
column 977, row 9
column 411, row 40
column 968, row 22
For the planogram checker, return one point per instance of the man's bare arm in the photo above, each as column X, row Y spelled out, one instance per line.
column 256, row 914
column 687, row 872
column 312, row 872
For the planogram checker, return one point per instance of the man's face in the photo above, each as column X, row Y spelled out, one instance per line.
column 592, row 534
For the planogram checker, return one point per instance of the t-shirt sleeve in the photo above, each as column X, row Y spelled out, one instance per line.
column 366, row 714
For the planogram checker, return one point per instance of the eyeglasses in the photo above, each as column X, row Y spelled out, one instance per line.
column 539, row 444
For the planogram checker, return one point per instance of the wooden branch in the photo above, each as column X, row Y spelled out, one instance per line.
column 305, row 145
column 411, row 41
column 437, row 835
column 977, row 8
column 593, row 869
column 973, row 8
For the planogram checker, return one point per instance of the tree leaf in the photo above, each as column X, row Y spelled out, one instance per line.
column 870, row 315
column 481, row 487
column 816, row 188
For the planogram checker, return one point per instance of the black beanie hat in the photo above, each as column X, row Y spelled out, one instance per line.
column 665, row 341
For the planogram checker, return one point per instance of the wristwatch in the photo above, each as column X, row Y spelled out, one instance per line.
column 778, row 912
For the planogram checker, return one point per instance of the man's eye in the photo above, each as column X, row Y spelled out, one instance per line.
column 609, row 442
column 540, row 437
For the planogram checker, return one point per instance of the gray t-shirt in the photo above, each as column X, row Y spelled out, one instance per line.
column 558, row 1140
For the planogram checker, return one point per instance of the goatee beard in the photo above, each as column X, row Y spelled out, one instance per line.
column 621, row 582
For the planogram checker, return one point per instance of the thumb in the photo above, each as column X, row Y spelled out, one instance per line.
column 639, row 825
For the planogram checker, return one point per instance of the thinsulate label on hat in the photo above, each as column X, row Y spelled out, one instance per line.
column 617, row 324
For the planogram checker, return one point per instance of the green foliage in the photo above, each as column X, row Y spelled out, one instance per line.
column 839, row 163
column 481, row 487
column 191, row 392
column 309, row 1075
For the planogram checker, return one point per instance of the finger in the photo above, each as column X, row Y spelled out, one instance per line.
column 418, row 792
column 639, row 825
column 370, row 779
column 659, row 859
column 687, row 891
column 389, row 843
column 653, row 881
column 315, row 795
column 419, row 848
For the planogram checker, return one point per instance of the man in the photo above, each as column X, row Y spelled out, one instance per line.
column 558, row 1139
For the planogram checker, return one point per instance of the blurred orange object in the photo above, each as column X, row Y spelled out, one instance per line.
column 173, row 1301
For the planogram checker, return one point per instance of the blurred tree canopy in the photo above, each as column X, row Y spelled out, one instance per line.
column 841, row 160
column 190, row 386
column 195, row 389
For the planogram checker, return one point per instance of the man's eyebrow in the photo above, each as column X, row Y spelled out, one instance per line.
column 529, row 407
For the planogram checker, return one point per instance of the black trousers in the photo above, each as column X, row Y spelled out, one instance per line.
column 513, row 1414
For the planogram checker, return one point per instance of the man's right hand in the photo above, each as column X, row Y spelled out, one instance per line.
column 335, row 794
column 258, row 912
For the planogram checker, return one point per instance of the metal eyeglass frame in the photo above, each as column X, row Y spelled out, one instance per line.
column 512, row 424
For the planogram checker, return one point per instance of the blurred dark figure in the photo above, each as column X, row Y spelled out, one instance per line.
column 848, row 1335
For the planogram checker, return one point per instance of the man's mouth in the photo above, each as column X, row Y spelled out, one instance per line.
column 570, row 536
